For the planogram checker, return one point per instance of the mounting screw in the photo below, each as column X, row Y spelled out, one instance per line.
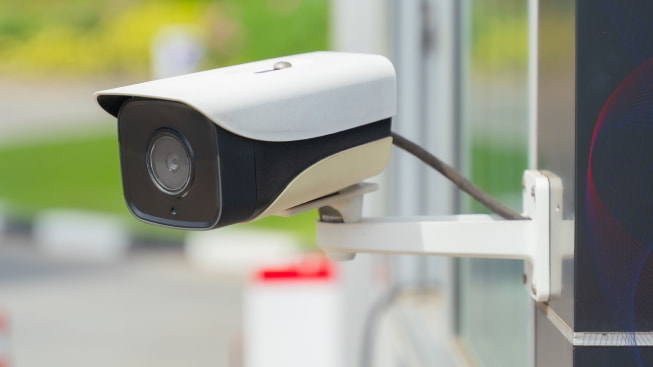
column 533, row 289
column 533, row 192
column 281, row 65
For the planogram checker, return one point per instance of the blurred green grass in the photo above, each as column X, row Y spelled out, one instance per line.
column 83, row 172
column 497, row 168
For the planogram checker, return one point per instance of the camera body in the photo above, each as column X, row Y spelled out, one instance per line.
column 239, row 143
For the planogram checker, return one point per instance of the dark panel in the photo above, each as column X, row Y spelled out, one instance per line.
column 614, row 160
column 613, row 356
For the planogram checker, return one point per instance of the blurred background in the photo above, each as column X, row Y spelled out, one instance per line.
column 82, row 283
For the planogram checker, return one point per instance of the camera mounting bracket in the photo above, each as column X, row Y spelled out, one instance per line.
column 538, row 240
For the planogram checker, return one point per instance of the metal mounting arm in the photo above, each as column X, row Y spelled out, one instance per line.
column 341, row 232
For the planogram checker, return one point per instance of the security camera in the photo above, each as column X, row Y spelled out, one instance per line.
column 281, row 136
column 239, row 143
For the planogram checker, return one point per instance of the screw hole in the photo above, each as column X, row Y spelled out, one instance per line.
column 173, row 211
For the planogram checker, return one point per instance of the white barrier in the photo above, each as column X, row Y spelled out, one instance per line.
column 293, row 317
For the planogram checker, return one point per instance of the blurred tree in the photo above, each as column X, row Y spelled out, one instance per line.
column 85, row 37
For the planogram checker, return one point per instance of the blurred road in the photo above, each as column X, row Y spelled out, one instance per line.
column 151, row 310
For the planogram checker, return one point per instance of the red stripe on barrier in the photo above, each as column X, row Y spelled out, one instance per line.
column 311, row 269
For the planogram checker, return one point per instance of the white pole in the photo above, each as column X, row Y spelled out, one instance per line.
column 533, row 35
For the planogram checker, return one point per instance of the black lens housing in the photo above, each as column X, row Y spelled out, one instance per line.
column 234, row 179
column 198, row 204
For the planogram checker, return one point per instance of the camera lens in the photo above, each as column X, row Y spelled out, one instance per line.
column 169, row 163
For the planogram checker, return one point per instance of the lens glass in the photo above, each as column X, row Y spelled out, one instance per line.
column 169, row 163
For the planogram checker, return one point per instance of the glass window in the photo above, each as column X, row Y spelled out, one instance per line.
column 493, row 312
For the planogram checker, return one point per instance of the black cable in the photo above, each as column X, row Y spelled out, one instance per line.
column 452, row 175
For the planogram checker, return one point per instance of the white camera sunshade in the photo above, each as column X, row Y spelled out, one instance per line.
column 308, row 96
